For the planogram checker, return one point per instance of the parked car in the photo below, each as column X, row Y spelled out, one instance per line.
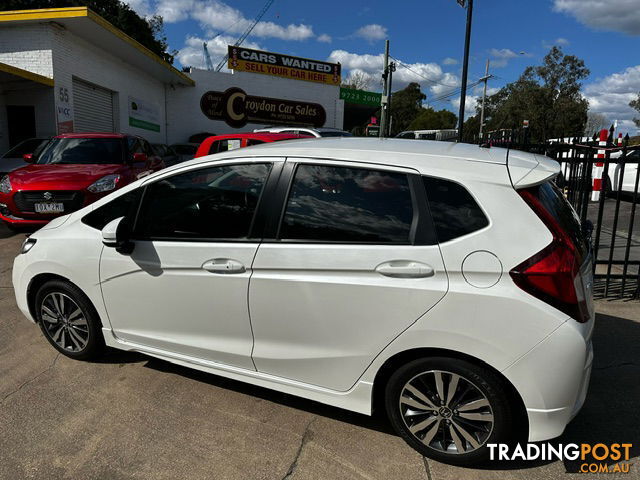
column 185, row 151
column 72, row 171
column 166, row 153
column 224, row 143
column 377, row 276
column 445, row 135
column 311, row 131
column 14, row 158
column 611, row 180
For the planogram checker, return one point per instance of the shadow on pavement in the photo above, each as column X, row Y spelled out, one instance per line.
column 610, row 414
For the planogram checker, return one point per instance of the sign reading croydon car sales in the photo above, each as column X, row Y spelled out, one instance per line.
column 268, row 63
column 237, row 108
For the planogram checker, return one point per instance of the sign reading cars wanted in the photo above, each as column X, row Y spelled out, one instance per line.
column 237, row 108
column 268, row 63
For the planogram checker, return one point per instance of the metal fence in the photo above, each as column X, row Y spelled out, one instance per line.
column 613, row 211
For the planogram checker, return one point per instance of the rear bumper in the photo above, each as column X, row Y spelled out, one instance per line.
column 553, row 379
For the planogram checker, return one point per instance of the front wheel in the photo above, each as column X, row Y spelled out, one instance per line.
column 449, row 409
column 68, row 320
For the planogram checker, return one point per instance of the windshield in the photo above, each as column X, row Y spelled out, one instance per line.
column 33, row 145
column 185, row 149
column 83, row 151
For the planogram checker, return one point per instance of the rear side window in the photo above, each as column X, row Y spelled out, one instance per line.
column 455, row 212
column 224, row 145
column 352, row 205
column 209, row 203
column 123, row 206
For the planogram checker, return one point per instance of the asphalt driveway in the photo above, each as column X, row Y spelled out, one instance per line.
column 131, row 416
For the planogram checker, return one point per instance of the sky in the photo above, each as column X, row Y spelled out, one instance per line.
column 426, row 40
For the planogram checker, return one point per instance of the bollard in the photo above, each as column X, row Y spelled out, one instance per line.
column 598, row 167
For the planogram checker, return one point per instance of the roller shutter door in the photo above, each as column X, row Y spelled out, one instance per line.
column 92, row 107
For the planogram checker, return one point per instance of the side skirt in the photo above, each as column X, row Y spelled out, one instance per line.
column 357, row 399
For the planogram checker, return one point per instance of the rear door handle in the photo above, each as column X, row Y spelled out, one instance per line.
column 405, row 269
column 224, row 266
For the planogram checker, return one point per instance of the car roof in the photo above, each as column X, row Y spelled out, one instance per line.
column 259, row 136
column 93, row 135
column 385, row 151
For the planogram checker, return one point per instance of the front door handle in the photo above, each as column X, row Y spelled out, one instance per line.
column 405, row 269
column 223, row 265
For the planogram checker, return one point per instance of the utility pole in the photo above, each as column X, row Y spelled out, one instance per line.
column 465, row 66
column 392, row 68
column 485, row 79
column 383, row 102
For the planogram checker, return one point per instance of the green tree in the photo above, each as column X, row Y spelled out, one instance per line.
column 635, row 104
column 149, row 32
column 430, row 119
column 406, row 104
column 547, row 95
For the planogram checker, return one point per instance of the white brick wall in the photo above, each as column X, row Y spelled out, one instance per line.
column 183, row 104
column 27, row 47
column 75, row 57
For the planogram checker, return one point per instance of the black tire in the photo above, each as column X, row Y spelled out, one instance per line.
column 439, row 448
column 91, row 334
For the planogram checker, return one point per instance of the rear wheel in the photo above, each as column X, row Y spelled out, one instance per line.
column 449, row 409
column 68, row 320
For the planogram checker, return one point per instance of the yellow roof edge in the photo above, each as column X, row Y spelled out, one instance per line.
column 26, row 74
column 45, row 14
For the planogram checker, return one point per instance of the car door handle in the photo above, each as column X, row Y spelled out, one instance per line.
column 405, row 269
column 223, row 265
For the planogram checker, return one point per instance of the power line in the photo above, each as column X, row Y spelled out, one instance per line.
column 402, row 64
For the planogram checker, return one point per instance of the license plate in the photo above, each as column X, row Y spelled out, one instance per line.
column 49, row 207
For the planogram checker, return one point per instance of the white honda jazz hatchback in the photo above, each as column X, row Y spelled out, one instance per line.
column 445, row 283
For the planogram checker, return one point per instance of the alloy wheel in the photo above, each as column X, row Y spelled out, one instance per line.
column 446, row 412
column 64, row 322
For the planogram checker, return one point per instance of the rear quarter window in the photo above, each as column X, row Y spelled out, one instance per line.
column 454, row 211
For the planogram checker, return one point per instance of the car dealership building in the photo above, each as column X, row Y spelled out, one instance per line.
column 69, row 70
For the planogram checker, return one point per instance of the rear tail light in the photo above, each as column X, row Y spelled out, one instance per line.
column 553, row 274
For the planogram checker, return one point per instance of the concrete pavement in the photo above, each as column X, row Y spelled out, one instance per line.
column 133, row 417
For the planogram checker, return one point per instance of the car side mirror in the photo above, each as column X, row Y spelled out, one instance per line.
column 28, row 157
column 140, row 158
column 117, row 234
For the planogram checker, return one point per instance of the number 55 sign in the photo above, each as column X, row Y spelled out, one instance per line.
column 64, row 111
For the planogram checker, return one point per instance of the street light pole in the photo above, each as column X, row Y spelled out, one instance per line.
column 465, row 67
column 484, row 98
column 383, row 101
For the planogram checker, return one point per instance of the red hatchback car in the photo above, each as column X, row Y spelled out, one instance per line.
column 72, row 171
column 223, row 143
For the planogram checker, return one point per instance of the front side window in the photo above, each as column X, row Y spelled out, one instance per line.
column 355, row 205
column 211, row 203
column 123, row 206
column 454, row 211
column 83, row 151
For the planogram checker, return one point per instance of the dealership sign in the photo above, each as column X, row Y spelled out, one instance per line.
column 143, row 114
column 237, row 108
column 268, row 63
column 360, row 97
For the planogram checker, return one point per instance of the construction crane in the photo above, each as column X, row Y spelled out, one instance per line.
column 246, row 32
column 207, row 57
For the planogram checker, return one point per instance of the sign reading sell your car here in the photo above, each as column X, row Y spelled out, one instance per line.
column 268, row 63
